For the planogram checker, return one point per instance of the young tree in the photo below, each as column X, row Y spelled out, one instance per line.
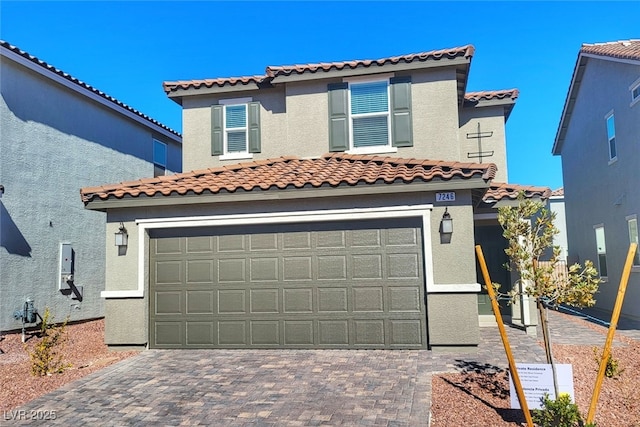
column 529, row 229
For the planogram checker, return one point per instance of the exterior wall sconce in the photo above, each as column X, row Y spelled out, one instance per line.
column 446, row 224
column 121, row 237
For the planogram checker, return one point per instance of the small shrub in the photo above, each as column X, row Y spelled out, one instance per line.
column 612, row 370
column 45, row 355
column 557, row 413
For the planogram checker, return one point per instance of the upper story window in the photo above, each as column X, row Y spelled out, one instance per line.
column 601, row 248
column 235, row 129
column 370, row 116
column 632, row 223
column 159, row 158
column 611, row 136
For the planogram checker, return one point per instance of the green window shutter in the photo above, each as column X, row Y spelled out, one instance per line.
column 401, row 124
column 254, row 127
column 217, row 130
column 338, row 117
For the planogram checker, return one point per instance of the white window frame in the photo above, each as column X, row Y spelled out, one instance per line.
column 236, row 155
column 156, row 163
column 635, row 87
column 601, row 251
column 377, row 149
column 611, row 115
column 636, row 260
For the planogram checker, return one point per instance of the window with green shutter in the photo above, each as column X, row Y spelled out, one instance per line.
column 370, row 116
column 235, row 129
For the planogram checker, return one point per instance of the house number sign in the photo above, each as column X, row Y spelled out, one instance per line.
column 446, row 197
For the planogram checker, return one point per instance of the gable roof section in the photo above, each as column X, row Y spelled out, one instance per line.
column 285, row 173
column 284, row 73
column 506, row 98
column 626, row 51
column 53, row 73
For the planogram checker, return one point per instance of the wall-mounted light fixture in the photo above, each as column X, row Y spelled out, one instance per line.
column 121, row 237
column 446, row 224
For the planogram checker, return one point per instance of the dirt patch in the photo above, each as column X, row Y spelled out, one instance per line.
column 84, row 349
column 480, row 397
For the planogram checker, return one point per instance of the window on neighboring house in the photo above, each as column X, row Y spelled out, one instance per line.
column 635, row 92
column 371, row 116
column 235, row 129
column 611, row 136
column 602, row 250
column 159, row 158
column 632, row 223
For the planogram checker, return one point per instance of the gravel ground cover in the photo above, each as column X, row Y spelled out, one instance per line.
column 84, row 349
column 481, row 397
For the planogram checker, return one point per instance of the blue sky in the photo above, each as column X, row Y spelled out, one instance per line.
column 127, row 49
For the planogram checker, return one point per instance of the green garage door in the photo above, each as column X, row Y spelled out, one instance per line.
column 330, row 285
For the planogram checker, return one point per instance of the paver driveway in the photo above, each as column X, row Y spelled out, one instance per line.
column 240, row 387
column 281, row 387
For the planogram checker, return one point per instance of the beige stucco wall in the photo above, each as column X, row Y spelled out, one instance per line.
column 453, row 262
column 294, row 120
column 126, row 321
column 491, row 119
column 447, row 330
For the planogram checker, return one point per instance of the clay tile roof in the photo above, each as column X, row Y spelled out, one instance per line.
column 83, row 85
column 499, row 191
column 623, row 49
column 464, row 51
column 220, row 82
column 488, row 95
column 286, row 70
column 333, row 170
column 559, row 192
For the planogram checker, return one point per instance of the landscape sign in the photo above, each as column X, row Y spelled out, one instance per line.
column 537, row 379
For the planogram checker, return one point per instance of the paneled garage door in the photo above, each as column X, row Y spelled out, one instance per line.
column 330, row 285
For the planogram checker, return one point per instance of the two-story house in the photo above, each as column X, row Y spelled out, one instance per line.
column 58, row 134
column 329, row 205
column 599, row 141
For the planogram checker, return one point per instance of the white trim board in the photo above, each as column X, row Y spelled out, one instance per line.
column 419, row 211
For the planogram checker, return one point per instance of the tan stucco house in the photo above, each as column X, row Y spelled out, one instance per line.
column 316, row 213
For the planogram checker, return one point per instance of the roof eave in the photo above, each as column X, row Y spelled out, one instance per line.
column 572, row 93
column 177, row 93
column 506, row 103
column 475, row 182
column 362, row 70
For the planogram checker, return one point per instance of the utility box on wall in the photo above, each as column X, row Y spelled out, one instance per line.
column 66, row 266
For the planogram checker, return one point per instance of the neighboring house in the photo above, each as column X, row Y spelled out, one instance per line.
column 556, row 205
column 58, row 134
column 599, row 141
column 317, row 213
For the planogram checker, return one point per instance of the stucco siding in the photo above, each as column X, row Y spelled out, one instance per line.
column 597, row 190
column 490, row 119
column 53, row 142
column 446, row 264
column 294, row 120
column 446, row 330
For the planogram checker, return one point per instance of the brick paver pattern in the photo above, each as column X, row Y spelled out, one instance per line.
column 284, row 387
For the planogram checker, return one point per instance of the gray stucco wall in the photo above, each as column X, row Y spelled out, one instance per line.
column 53, row 142
column 294, row 120
column 598, row 191
column 453, row 262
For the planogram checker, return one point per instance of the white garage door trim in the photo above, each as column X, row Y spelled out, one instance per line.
column 422, row 211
